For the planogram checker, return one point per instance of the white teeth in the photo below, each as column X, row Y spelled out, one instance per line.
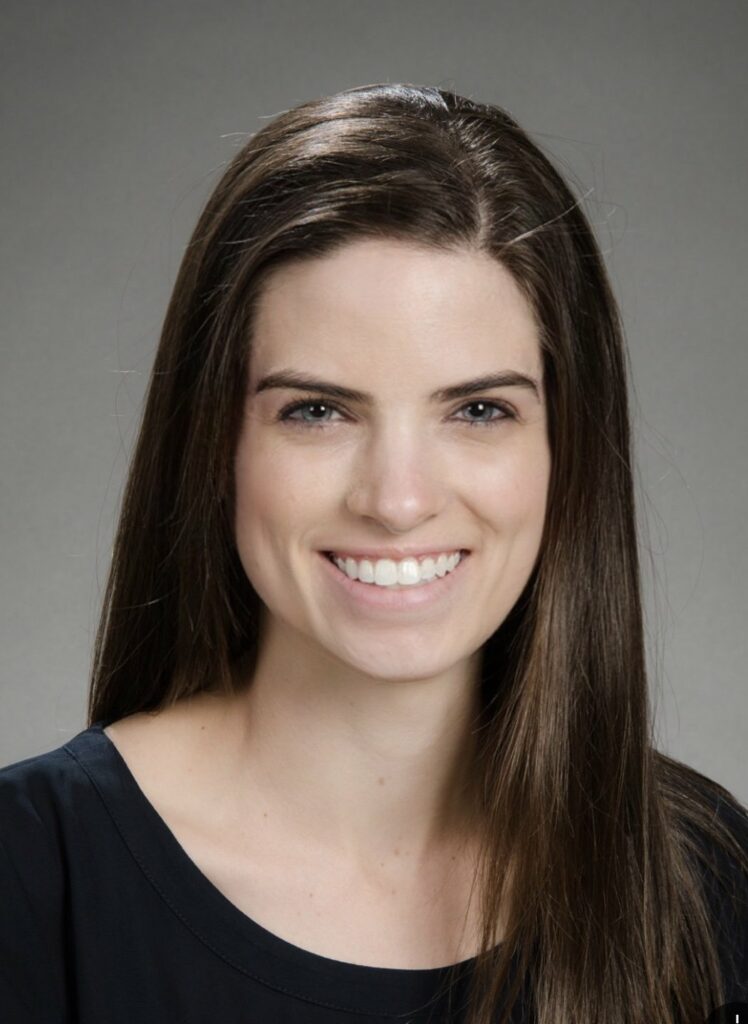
column 387, row 573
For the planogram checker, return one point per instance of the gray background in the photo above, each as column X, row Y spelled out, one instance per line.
column 118, row 119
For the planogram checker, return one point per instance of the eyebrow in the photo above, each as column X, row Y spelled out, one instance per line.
column 303, row 382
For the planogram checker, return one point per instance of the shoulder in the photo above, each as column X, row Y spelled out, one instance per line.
column 726, row 885
column 714, row 820
column 50, row 809
column 40, row 797
column 28, row 787
column 31, row 846
column 716, row 823
column 725, row 863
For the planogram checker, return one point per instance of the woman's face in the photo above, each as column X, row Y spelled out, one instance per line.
column 403, row 470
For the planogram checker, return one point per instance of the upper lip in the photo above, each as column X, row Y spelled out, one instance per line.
column 395, row 553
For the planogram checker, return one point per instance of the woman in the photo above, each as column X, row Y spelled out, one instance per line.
column 369, row 733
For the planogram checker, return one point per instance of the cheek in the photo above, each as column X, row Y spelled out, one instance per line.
column 277, row 494
column 530, row 513
column 258, row 505
column 513, row 507
column 513, row 496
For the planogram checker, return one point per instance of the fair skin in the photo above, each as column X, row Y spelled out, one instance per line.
column 355, row 730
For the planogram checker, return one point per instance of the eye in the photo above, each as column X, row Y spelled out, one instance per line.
column 287, row 413
column 315, row 403
column 480, row 403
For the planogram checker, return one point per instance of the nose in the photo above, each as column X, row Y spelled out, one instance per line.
column 398, row 482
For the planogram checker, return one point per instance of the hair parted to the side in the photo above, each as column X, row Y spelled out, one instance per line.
column 606, row 910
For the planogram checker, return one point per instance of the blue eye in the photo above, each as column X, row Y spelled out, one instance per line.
column 506, row 412
column 286, row 414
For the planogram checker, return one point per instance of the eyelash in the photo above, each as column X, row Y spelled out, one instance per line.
column 285, row 413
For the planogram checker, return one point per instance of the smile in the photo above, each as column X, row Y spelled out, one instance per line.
column 386, row 598
column 407, row 572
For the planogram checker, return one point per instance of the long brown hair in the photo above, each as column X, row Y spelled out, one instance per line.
column 606, row 836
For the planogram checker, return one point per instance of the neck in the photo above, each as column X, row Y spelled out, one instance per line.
column 371, row 770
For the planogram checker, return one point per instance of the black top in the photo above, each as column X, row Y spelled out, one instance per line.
column 105, row 918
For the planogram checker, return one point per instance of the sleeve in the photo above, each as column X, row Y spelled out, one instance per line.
column 32, row 901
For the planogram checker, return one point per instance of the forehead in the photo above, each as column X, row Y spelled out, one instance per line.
column 378, row 299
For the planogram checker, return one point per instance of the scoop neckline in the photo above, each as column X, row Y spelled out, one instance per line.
column 220, row 924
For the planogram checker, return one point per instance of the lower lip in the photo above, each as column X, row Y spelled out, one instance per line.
column 402, row 598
